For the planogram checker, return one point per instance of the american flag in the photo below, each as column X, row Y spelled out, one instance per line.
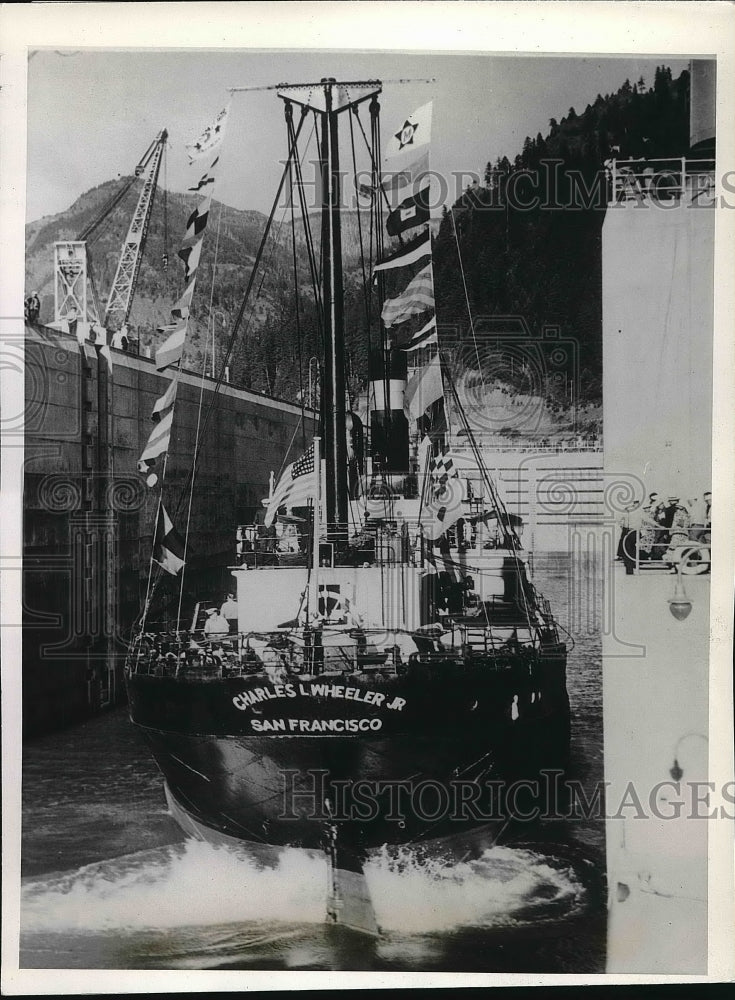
column 296, row 485
column 304, row 465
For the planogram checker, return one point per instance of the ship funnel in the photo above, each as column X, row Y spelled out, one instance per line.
column 388, row 424
column 702, row 106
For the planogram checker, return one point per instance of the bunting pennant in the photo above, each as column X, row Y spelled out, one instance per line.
column 206, row 179
column 168, row 545
column 422, row 338
column 158, row 443
column 197, row 221
column 413, row 211
column 415, row 131
column 165, row 402
column 410, row 253
column 394, row 181
column 416, row 298
column 423, row 456
column 196, row 224
column 424, row 388
column 171, row 350
column 210, row 138
column 182, row 308
column 190, row 256
column 445, row 492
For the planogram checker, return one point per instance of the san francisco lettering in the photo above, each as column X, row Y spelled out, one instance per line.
column 315, row 725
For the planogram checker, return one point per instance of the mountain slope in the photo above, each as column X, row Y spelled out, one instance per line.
column 266, row 354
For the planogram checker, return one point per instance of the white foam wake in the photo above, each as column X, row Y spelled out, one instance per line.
column 506, row 886
column 187, row 884
column 197, row 884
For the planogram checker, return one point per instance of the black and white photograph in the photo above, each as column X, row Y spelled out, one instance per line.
column 364, row 608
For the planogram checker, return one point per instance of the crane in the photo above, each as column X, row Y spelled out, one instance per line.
column 72, row 259
column 123, row 285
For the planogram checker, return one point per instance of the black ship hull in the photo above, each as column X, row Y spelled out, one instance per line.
column 445, row 748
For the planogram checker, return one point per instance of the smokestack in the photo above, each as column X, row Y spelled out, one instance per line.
column 702, row 107
column 388, row 423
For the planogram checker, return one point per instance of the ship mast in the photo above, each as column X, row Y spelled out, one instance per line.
column 329, row 99
column 333, row 393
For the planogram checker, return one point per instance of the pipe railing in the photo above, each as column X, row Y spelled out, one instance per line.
column 655, row 557
column 673, row 177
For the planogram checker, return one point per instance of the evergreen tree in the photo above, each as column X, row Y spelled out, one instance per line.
column 546, row 264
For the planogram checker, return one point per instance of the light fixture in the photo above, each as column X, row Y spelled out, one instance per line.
column 677, row 771
column 680, row 605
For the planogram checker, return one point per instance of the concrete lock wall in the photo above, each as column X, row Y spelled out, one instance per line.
column 82, row 487
column 657, row 336
column 658, row 288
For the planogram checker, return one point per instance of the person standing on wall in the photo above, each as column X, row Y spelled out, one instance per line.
column 32, row 308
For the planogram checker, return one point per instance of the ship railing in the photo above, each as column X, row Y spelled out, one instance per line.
column 665, row 554
column 661, row 179
column 491, row 443
column 496, row 639
column 386, row 543
column 192, row 655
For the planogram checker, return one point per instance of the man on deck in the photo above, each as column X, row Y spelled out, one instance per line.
column 216, row 624
column 229, row 611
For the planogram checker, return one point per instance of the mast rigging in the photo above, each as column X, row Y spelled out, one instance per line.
column 329, row 98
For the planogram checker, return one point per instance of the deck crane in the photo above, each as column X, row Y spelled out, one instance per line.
column 72, row 265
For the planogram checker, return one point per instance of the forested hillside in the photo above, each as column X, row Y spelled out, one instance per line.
column 530, row 237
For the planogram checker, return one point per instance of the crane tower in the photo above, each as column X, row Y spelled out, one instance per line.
column 121, row 293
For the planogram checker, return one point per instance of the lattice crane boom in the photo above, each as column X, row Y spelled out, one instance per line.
column 126, row 275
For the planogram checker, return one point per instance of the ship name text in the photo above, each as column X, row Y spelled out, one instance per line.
column 245, row 699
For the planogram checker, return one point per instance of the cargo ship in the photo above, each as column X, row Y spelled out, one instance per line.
column 384, row 671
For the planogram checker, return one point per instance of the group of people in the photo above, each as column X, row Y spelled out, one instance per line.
column 172, row 656
column 259, row 544
column 210, row 656
column 222, row 621
column 656, row 530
